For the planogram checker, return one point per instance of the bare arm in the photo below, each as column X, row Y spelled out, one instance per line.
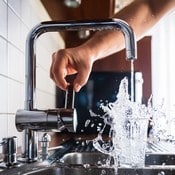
column 141, row 15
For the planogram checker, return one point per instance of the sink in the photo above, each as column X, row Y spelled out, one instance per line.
column 66, row 160
column 160, row 159
column 86, row 158
column 93, row 162
column 88, row 163
column 101, row 171
column 72, row 170
column 98, row 159
column 47, row 171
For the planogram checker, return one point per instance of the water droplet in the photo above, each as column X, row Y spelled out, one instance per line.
column 87, row 123
column 92, row 125
column 86, row 165
column 103, row 172
column 161, row 173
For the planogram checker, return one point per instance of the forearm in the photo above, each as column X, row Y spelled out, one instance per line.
column 141, row 15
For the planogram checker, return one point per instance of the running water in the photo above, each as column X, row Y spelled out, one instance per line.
column 128, row 121
column 132, row 80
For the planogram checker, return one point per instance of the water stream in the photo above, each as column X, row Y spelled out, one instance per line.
column 132, row 80
column 128, row 121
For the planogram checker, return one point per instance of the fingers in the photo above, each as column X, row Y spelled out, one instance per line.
column 58, row 72
column 81, row 79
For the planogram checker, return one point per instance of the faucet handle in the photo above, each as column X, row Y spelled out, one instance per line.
column 9, row 149
column 69, row 98
column 70, row 93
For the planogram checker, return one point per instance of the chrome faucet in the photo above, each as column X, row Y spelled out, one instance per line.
column 31, row 119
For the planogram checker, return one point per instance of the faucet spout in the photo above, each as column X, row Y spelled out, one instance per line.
column 57, row 26
column 30, row 74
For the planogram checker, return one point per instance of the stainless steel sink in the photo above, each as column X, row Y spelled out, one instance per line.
column 87, row 161
column 99, row 159
column 102, row 171
column 160, row 159
column 47, row 171
column 87, row 158
column 72, row 170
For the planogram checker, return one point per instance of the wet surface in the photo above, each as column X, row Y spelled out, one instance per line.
column 80, row 158
column 93, row 170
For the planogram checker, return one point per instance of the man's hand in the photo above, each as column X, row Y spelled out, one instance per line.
column 70, row 61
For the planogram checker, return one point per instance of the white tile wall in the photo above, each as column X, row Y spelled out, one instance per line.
column 14, row 28
column 3, row 21
column 15, row 96
column 12, row 129
column 3, row 126
column 15, row 5
column 40, row 99
column 3, row 95
column 19, row 16
column 16, row 64
column 26, row 12
column 3, row 56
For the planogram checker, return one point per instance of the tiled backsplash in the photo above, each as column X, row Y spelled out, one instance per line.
column 17, row 17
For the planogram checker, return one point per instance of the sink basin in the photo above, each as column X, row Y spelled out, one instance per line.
column 72, row 170
column 66, row 161
column 88, row 163
column 47, row 171
column 101, row 171
column 86, row 158
column 97, row 159
column 160, row 159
